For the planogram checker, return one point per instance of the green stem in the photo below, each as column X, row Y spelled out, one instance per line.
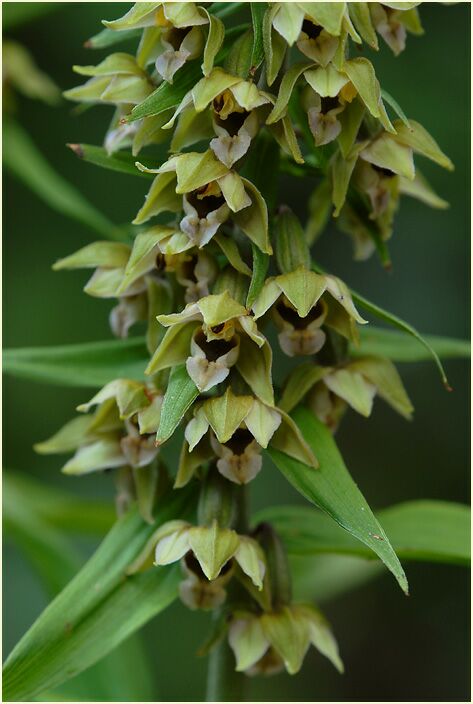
column 224, row 684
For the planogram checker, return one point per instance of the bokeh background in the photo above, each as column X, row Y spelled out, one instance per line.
column 394, row 648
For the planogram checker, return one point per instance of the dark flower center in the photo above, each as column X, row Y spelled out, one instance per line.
column 214, row 349
column 239, row 441
column 312, row 30
column 291, row 316
column 205, row 205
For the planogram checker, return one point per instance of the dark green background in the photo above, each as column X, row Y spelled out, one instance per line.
column 394, row 648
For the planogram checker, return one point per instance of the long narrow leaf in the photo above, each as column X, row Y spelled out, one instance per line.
column 55, row 507
column 331, row 488
column 99, row 609
column 22, row 158
column 89, row 364
column 123, row 162
column 403, row 348
column 432, row 531
column 405, row 327
column 322, row 577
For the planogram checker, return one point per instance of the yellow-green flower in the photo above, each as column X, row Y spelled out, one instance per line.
column 302, row 302
column 210, row 336
column 267, row 643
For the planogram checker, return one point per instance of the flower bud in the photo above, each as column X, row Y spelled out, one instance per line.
column 233, row 282
column 277, row 565
column 291, row 248
column 216, row 501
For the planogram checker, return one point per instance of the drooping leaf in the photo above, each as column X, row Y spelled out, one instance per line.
column 180, row 393
column 89, row 364
column 396, row 322
column 428, row 531
column 22, row 158
column 332, row 489
column 92, row 615
column 400, row 347
column 123, row 162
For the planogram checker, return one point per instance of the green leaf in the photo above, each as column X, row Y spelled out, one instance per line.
column 49, row 551
column 22, row 158
column 395, row 106
column 285, row 91
column 257, row 14
column 405, row 327
column 331, row 488
column 168, row 95
column 109, row 37
column 57, row 508
column 93, row 614
column 89, row 364
column 123, row 162
column 260, row 269
column 400, row 347
column 180, row 394
column 396, row 322
column 225, row 9
column 324, row 577
column 429, row 531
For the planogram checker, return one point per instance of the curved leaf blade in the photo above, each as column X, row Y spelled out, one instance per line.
column 400, row 347
column 99, row 609
column 427, row 531
column 90, row 364
column 332, row 489
column 23, row 159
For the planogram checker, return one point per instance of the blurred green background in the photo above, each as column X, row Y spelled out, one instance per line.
column 394, row 648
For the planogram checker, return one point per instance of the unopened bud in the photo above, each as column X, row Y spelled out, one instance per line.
column 277, row 565
column 291, row 247
column 232, row 281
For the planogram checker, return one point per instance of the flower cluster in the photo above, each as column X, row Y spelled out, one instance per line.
column 200, row 276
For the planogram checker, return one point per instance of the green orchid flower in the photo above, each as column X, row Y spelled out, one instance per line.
column 211, row 336
column 211, row 193
column 173, row 33
column 239, row 418
column 330, row 390
column 301, row 302
column 272, row 641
